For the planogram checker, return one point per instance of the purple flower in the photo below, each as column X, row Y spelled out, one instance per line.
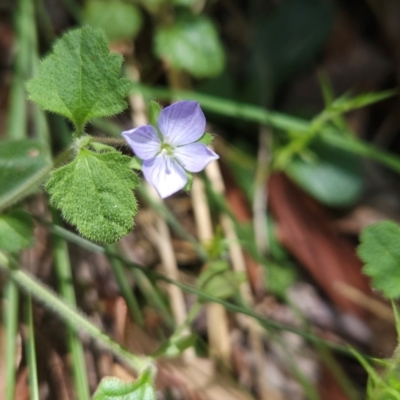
column 168, row 156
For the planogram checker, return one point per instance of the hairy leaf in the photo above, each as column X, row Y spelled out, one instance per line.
column 118, row 19
column 16, row 231
column 94, row 192
column 380, row 251
column 24, row 164
column 81, row 79
column 112, row 388
column 191, row 44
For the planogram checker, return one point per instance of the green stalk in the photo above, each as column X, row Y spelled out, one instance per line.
column 163, row 211
column 31, row 351
column 11, row 297
column 275, row 119
column 64, row 277
column 126, row 291
column 17, row 115
column 228, row 108
column 203, row 296
column 70, row 315
column 144, row 284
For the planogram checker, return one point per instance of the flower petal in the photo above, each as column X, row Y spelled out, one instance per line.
column 194, row 157
column 182, row 123
column 165, row 174
column 144, row 141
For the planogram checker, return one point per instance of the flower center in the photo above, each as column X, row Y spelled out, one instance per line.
column 167, row 148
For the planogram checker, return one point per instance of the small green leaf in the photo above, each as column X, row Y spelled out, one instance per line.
column 136, row 163
column 346, row 103
column 334, row 176
column 283, row 42
column 118, row 19
column 154, row 112
column 24, row 165
column 279, row 278
column 16, row 231
column 219, row 281
column 112, row 388
column 189, row 183
column 81, row 79
column 380, row 251
column 94, row 192
column 191, row 44
column 206, row 139
column 175, row 346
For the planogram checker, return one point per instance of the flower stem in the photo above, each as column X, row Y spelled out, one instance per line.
column 74, row 318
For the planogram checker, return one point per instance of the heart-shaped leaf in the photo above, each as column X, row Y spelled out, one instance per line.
column 81, row 79
column 94, row 192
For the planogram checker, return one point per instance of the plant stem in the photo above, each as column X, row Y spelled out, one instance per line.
column 126, row 291
column 265, row 322
column 31, row 351
column 110, row 141
column 11, row 296
column 64, row 276
column 70, row 315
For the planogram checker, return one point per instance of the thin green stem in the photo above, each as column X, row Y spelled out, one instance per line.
column 163, row 211
column 64, row 276
column 144, row 284
column 228, row 108
column 190, row 317
column 110, row 141
column 275, row 119
column 126, row 291
column 31, row 351
column 11, row 297
column 70, row 315
column 18, row 108
column 266, row 322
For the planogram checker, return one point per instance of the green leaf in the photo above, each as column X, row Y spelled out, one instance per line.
column 81, row 79
column 334, row 176
column 206, row 139
column 16, row 231
column 118, row 19
column 154, row 112
column 284, row 42
column 175, row 346
column 380, row 251
column 136, row 163
column 189, row 183
column 94, row 192
column 345, row 103
column 279, row 278
column 112, row 388
column 24, row 165
column 191, row 44
column 217, row 280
